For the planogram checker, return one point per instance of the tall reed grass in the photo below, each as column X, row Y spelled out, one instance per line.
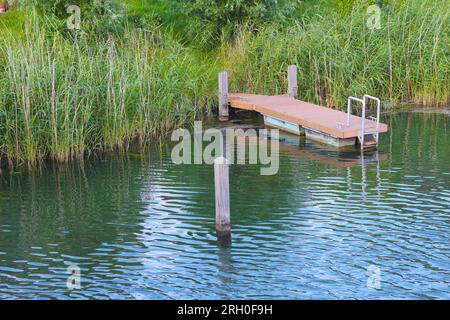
column 406, row 60
column 66, row 97
column 63, row 98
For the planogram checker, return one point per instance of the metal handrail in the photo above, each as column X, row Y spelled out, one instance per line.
column 366, row 96
column 363, row 116
column 349, row 106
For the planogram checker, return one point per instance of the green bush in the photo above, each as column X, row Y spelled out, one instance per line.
column 219, row 19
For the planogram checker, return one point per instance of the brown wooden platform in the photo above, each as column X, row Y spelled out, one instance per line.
column 307, row 115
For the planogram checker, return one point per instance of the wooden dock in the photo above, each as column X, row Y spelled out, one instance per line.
column 302, row 118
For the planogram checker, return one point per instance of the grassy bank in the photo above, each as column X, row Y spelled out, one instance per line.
column 64, row 96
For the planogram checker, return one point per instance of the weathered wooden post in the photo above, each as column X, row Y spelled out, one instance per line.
column 292, row 81
column 223, row 96
column 222, row 194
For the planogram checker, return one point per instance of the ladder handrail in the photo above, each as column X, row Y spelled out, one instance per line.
column 349, row 106
column 367, row 96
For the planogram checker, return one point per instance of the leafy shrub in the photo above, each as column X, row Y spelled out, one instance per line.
column 219, row 19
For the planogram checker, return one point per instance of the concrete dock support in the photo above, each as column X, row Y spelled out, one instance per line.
column 222, row 196
column 292, row 82
column 223, row 96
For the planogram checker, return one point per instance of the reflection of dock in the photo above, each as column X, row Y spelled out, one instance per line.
column 339, row 161
column 337, row 157
column 306, row 149
column 290, row 144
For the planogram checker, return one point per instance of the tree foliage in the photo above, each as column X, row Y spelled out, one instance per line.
column 219, row 18
column 224, row 12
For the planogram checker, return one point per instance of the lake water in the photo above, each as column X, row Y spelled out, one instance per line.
column 325, row 227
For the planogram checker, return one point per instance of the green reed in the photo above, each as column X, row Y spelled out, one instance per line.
column 64, row 98
column 406, row 60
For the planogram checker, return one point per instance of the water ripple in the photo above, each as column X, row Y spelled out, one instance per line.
column 144, row 229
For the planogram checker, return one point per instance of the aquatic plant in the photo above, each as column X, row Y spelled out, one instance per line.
column 61, row 98
column 68, row 94
column 406, row 60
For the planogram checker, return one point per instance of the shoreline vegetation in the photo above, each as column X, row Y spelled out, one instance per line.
column 68, row 94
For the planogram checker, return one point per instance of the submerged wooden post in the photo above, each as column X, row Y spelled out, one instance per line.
column 223, row 96
column 222, row 194
column 292, row 81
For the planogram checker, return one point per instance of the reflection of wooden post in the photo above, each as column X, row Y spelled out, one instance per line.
column 222, row 194
column 223, row 96
column 227, row 144
column 292, row 82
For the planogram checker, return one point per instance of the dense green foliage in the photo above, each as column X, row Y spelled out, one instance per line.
column 138, row 69
column 219, row 19
column 62, row 97
column 406, row 60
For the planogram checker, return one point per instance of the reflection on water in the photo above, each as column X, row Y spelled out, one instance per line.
column 140, row 227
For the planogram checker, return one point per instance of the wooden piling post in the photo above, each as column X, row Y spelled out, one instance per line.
column 223, row 96
column 292, row 81
column 222, row 195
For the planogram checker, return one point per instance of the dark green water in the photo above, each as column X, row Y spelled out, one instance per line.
column 142, row 227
